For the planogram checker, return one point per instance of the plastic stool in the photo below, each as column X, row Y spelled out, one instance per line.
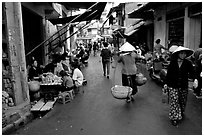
column 79, row 89
column 71, row 92
column 64, row 97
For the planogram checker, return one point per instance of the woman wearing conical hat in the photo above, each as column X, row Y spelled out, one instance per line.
column 129, row 69
column 178, row 73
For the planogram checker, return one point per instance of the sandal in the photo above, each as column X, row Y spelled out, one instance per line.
column 174, row 122
column 128, row 100
column 132, row 98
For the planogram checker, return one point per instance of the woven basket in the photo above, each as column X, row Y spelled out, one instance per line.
column 34, row 86
column 121, row 92
column 140, row 79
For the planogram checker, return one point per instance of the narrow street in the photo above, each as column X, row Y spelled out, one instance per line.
column 96, row 112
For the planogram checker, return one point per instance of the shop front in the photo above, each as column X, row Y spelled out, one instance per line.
column 175, row 27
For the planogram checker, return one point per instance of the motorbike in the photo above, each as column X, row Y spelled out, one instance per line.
column 157, row 66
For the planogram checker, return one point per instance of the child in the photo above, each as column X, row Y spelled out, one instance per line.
column 67, row 83
column 77, row 74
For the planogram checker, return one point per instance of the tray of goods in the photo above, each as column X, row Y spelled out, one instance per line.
column 50, row 79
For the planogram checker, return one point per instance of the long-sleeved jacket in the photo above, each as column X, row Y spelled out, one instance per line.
column 178, row 77
column 129, row 67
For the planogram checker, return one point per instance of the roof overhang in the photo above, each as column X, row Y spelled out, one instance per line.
column 44, row 9
column 113, row 9
column 146, row 11
column 92, row 14
column 133, row 28
column 76, row 5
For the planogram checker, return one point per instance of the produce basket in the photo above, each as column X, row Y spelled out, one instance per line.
column 34, row 86
column 140, row 79
column 121, row 92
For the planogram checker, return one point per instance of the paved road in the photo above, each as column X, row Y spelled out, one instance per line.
column 96, row 112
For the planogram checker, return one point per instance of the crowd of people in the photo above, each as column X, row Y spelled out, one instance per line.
column 62, row 66
column 179, row 71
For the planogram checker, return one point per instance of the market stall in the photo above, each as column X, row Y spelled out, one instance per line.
column 49, row 90
column 50, row 86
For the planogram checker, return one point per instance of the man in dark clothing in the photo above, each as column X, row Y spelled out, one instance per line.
column 106, row 55
column 34, row 71
column 89, row 47
column 95, row 46
column 51, row 66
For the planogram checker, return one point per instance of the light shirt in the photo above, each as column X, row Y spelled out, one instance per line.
column 158, row 48
column 58, row 68
column 129, row 66
column 78, row 77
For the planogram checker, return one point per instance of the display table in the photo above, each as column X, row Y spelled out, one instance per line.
column 49, row 91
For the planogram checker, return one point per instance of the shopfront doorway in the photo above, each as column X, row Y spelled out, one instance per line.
column 32, row 29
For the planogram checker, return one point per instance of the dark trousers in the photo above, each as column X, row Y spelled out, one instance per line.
column 106, row 67
column 130, row 80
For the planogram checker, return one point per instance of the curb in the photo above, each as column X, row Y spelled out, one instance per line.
column 23, row 120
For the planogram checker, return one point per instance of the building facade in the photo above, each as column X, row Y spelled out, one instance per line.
column 24, row 26
column 175, row 23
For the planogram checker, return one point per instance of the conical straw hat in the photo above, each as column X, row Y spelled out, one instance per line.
column 188, row 51
column 127, row 47
column 173, row 48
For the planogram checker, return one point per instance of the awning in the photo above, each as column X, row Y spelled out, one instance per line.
column 109, row 15
column 93, row 13
column 113, row 9
column 119, row 32
column 117, row 27
column 131, row 32
column 47, row 7
column 145, row 12
column 83, row 38
column 76, row 5
column 107, row 36
column 133, row 28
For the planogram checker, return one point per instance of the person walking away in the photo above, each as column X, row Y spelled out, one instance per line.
column 129, row 69
column 106, row 57
column 112, row 49
column 95, row 48
column 178, row 73
column 90, row 47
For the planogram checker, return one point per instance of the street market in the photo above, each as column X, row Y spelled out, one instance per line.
column 101, row 65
